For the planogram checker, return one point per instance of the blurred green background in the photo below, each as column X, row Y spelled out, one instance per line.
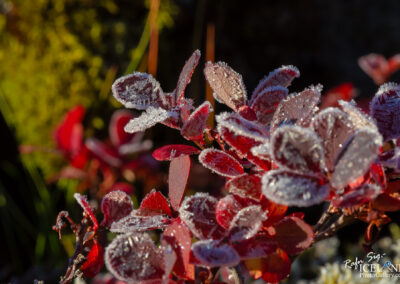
column 55, row 54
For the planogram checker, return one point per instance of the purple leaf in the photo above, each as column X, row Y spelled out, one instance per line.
column 213, row 253
column 178, row 176
column 186, row 75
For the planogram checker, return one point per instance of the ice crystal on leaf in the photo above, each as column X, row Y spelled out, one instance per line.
column 359, row 195
column 246, row 185
column 115, row 206
column 220, row 163
column 213, row 253
column 267, row 101
column 147, row 119
column 186, row 75
column 357, row 117
column 196, row 123
column 137, row 223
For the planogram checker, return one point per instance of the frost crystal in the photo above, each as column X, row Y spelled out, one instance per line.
column 293, row 189
column 245, row 186
column 220, row 163
column 196, row 123
column 376, row 66
column 227, row 85
column 297, row 148
column 356, row 156
column 116, row 205
column 186, row 74
column 246, row 223
column 138, row 91
column 357, row 117
column 135, row 223
column 134, row 257
column 151, row 117
column 267, row 101
column 212, row 253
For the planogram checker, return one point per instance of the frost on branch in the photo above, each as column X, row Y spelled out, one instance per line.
column 357, row 117
column 169, row 152
column 356, row 157
column 282, row 76
column 297, row 108
column 198, row 213
column 147, row 119
column 385, row 109
column 115, row 205
column 298, row 149
column 138, row 91
column 220, row 163
column 186, row 75
column 213, row 253
column 246, row 223
column 196, row 123
column 267, row 101
column 227, row 84
column 134, row 257
column 334, row 128
column 137, row 223
column 246, row 185
column 178, row 176
column 293, row 189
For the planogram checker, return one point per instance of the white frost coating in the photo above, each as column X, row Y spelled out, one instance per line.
column 262, row 151
column 227, row 84
column 228, row 168
column 240, row 126
column 147, row 119
column 138, row 91
column 195, row 212
column 186, row 74
column 298, row 149
column 98, row 148
column 282, row 76
column 357, row 117
column 196, row 123
column 334, row 128
column 293, row 189
column 135, row 223
column 134, row 257
column 213, row 253
column 356, row 156
column 246, row 223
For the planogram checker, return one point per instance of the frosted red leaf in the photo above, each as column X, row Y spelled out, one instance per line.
column 246, row 185
column 267, row 101
column 334, row 128
column 359, row 195
column 294, row 189
column 194, row 126
column 246, row 223
column 134, row 257
column 147, row 119
column 198, row 213
column 116, row 127
column 376, row 66
column 272, row 269
column 261, row 163
column 220, row 163
column 385, row 109
column 95, row 261
column 275, row 212
column 103, row 152
column 169, row 257
column 227, row 209
column 173, row 119
column 293, row 235
column 138, row 91
column 357, row 116
column 356, row 157
column 154, row 203
column 83, row 202
column 213, row 253
column 186, row 75
column 169, row 152
column 386, row 203
column 115, row 206
column 298, row 149
column 137, row 223
column 227, row 85
column 257, row 247
column 247, row 113
column 178, row 176
column 185, row 108
column 282, row 76
column 262, row 151
column 297, row 108
column 178, row 236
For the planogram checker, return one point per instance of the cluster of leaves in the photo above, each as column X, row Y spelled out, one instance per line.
column 275, row 150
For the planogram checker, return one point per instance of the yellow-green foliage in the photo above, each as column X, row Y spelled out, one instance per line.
column 55, row 54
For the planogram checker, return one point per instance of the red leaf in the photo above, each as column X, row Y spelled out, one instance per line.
column 385, row 109
column 138, row 91
column 394, row 63
column 272, row 269
column 298, row 149
column 227, row 209
column 134, row 257
column 213, row 253
column 282, row 76
column 293, row 235
column 359, row 195
column 116, row 127
column 344, row 91
column 115, row 206
column 247, row 113
column 220, row 163
column 386, row 202
column 103, row 152
column 178, row 176
column 227, row 85
column 193, row 128
column 198, row 213
column 256, row 247
column 246, row 185
column 83, row 202
column 169, row 152
column 178, row 236
column 186, row 74
column 95, row 261
column 246, row 223
column 275, row 211
column 154, row 203
column 267, row 101
column 294, row 189
column 376, row 66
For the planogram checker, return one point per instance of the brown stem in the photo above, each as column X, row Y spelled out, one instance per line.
column 341, row 222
